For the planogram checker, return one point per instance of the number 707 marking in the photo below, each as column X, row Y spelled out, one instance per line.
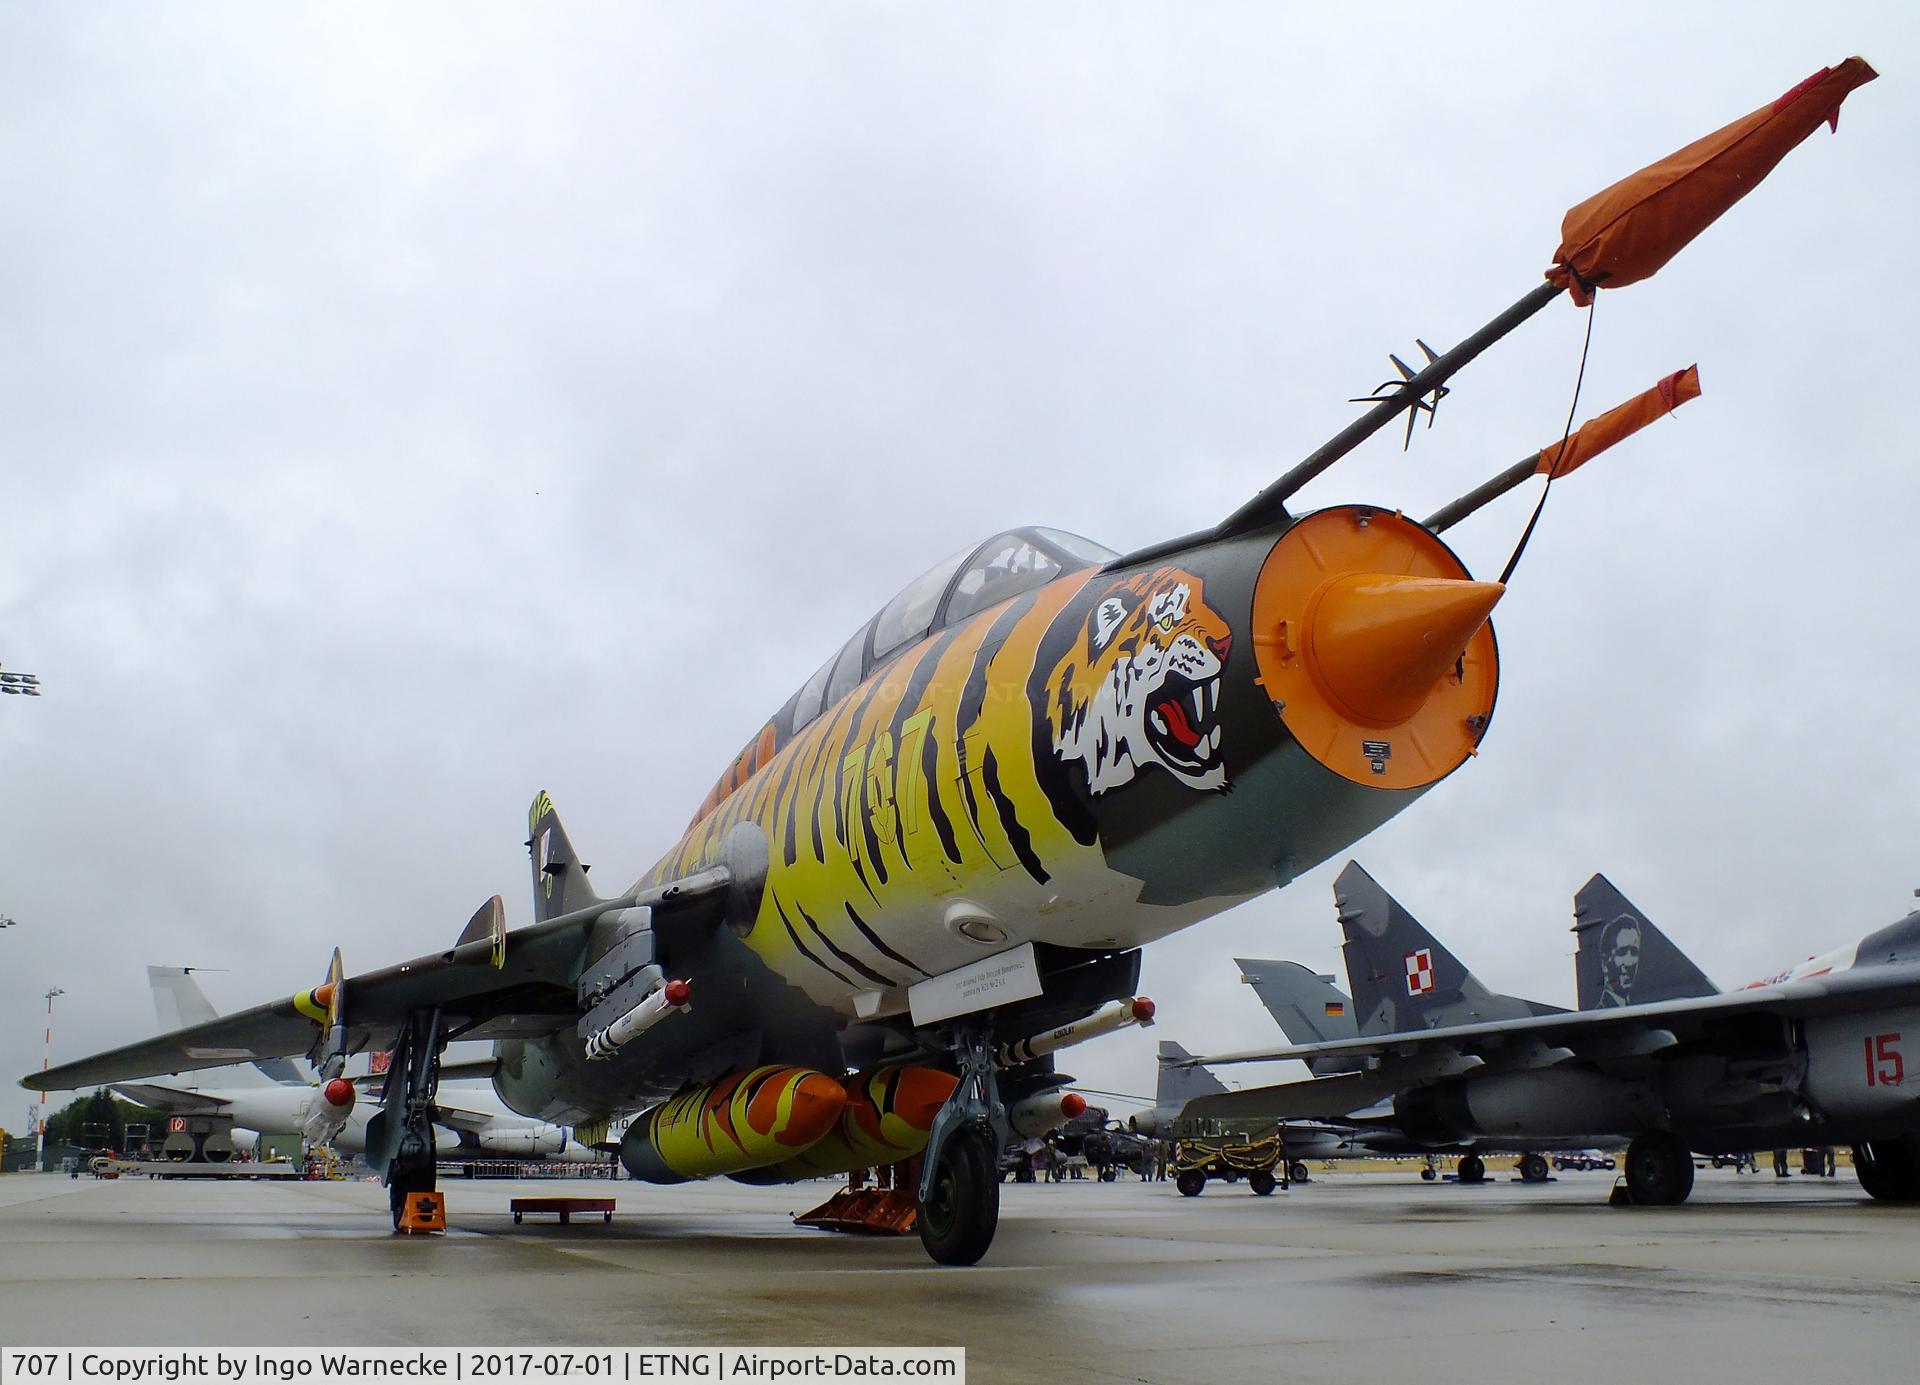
column 1884, row 1065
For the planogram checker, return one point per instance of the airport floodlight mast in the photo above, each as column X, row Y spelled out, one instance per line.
column 19, row 684
column 46, row 1050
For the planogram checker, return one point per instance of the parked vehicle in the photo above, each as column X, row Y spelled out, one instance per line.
column 1584, row 1160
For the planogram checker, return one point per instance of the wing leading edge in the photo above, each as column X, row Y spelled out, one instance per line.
column 480, row 994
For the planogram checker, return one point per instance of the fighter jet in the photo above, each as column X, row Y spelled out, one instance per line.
column 275, row 1097
column 1622, row 958
column 1814, row 1055
column 1404, row 980
column 936, row 862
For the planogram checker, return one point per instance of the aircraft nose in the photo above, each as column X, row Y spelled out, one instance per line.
column 1374, row 646
column 1378, row 643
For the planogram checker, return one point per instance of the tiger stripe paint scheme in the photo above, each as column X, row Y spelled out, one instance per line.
column 742, row 1121
column 888, row 1116
column 947, row 771
column 1091, row 764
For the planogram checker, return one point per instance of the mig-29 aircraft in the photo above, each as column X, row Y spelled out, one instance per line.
column 1814, row 1055
column 936, row 862
column 1403, row 980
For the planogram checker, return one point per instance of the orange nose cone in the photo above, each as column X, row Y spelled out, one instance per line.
column 1379, row 643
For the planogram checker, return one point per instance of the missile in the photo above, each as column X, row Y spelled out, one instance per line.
column 745, row 1120
column 1044, row 1113
column 327, row 1111
column 670, row 999
column 1117, row 1015
column 888, row 1116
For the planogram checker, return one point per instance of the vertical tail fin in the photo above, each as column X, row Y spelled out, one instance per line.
column 559, row 879
column 1622, row 959
column 1177, row 1086
column 179, row 1003
column 1308, row 1007
column 1402, row 976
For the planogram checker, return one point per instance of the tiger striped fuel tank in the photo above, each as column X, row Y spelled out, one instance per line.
column 744, row 1120
column 888, row 1115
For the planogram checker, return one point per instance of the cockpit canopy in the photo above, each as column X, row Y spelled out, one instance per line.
column 1005, row 566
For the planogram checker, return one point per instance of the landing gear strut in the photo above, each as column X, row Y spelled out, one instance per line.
column 960, row 1178
column 400, row 1134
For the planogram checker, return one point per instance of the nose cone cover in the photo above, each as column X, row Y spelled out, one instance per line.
column 1373, row 644
column 1382, row 642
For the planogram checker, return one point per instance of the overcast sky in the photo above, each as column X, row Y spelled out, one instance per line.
column 403, row 410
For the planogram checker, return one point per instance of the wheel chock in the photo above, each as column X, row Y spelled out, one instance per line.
column 425, row 1214
column 1620, row 1196
column 868, row 1211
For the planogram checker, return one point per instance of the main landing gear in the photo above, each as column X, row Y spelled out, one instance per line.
column 1471, row 1169
column 1533, row 1168
column 400, row 1134
column 1889, row 1169
column 1659, row 1169
column 960, row 1176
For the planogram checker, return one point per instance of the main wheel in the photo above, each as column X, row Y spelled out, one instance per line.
column 1533, row 1168
column 1472, row 1169
column 1191, row 1183
column 1659, row 1169
column 1262, row 1182
column 403, row 1182
column 1889, row 1170
column 1297, row 1171
column 958, row 1219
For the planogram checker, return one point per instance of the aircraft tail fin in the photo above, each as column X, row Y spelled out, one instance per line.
column 1622, row 959
column 1402, row 977
column 559, row 878
column 179, row 1003
column 1177, row 1086
column 1308, row 1007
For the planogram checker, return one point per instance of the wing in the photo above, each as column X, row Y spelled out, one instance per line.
column 479, row 995
column 1838, row 993
column 1407, row 1059
column 164, row 1098
column 457, row 1117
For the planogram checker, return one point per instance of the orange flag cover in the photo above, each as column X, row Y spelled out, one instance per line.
column 1596, row 435
column 1628, row 232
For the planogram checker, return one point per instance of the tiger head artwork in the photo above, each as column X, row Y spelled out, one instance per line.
column 1141, row 686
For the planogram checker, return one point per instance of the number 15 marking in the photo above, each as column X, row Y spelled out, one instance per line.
column 1884, row 1065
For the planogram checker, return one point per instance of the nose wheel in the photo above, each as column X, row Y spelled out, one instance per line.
column 1889, row 1170
column 961, row 1210
column 959, row 1195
